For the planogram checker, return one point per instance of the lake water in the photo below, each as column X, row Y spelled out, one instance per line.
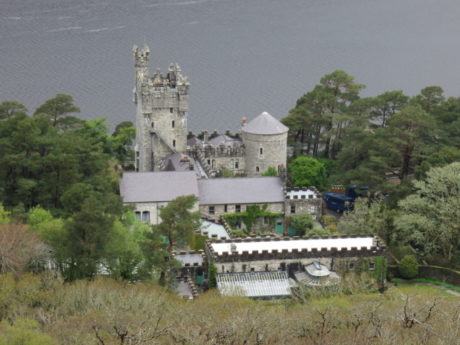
column 242, row 57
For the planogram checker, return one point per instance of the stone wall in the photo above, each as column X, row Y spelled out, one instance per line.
column 303, row 200
column 154, row 209
column 258, row 261
column 219, row 210
column 274, row 154
column 161, row 113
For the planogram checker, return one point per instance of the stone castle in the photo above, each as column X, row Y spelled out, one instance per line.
column 163, row 142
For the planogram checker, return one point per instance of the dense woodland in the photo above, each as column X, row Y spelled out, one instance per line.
column 389, row 143
column 59, row 203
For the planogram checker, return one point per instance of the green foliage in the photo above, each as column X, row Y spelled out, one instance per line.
column 302, row 223
column 408, row 267
column 212, row 274
column 57, row 109
column 122, row 143
column 124, row 257
column 198, row 242
column 368, row 217
column 307, row 171
column 10, row 109
column 321, row 115
column 429, row 217
column 226, row 173
column 22, row 332
column 271, row 171
column 249, row 217
column 318, row 232
column 328, row 219
column 178, row 221
column 380, row 271
column 4, row 215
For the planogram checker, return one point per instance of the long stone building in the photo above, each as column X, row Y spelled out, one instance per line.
column 161, row 130
column 148, row 192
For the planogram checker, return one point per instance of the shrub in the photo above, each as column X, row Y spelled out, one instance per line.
column 408, row 267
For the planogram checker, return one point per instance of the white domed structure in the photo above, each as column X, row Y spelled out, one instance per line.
column 265, row 140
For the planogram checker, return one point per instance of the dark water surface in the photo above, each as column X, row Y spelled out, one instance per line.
column 242, row 56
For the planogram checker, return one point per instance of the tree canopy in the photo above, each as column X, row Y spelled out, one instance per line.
column 429, row 216
column 307, row 171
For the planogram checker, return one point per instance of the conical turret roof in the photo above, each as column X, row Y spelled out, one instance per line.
column 265, row 124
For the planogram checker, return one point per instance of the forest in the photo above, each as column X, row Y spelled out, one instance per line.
column 405, row 149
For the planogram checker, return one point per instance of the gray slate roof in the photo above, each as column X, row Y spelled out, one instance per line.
column 182, row 162
column 157, row 186
column 240, row 190
column 224, row 139
column 265, row 124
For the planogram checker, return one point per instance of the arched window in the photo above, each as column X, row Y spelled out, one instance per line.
column 257, row 169
column 146, row 217
column 138, row 216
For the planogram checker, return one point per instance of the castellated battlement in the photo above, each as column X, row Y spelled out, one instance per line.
column 141, row 56
column 276, row 248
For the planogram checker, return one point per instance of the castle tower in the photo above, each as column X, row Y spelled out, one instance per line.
column 265, row 140
column 161, row 112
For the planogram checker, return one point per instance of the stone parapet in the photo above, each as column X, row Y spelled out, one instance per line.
column 377, row 249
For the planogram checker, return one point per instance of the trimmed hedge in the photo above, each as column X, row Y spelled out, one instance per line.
column 439, row 273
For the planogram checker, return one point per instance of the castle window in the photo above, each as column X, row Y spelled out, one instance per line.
column 252, row 269
column 212, row 210
column 146, row 217
column 171, row 110
column 351, row 265
column 153, row 124
column 257, row 169
column 310, row 196
column 237, row 208
column 236, row 165
column 174, row 143
column 138, row 216
column 225, row 208
column 292, row 209
column 296, row 196
column 372, row 266
column 172, row 124
column 213, row 164
column 209, row 162
column 243, row 268
column 266, row 267
column 303, row 196
column 261, row 151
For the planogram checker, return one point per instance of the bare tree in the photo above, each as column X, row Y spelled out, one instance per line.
column 20, row 249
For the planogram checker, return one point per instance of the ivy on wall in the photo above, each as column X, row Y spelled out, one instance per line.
column 249, row 217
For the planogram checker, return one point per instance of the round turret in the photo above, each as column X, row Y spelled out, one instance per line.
column 265, row 141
